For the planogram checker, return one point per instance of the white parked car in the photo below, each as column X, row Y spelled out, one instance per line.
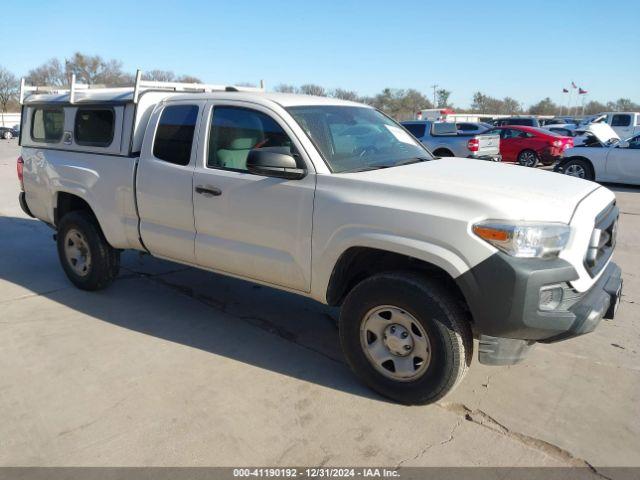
column 594, row 133
column 332, row 200
column 604, row 160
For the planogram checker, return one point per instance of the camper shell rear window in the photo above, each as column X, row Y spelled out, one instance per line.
column 47, row 125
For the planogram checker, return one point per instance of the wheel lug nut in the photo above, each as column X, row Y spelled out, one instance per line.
column 405, row 334
column 393, row 329
column 407, row 347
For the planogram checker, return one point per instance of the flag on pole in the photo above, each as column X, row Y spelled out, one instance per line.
column 564, row 90
column 581, row 91
column 573, row 84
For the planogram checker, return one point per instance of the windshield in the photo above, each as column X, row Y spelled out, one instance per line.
column 358, row 138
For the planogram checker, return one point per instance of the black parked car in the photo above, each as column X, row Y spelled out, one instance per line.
column 522, row 121
column 8, row 133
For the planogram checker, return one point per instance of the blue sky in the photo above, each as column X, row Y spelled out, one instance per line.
column 524, row 49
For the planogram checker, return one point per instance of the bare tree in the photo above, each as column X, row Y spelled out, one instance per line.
column 50, row 73
column 284, row 88
column 188, row 79
column 313, row 89
column 345, row 94
column 94, row 70
column 8, row 88
column 623, row 105
column 159, row 76
column 594, row 107
column 510, row 106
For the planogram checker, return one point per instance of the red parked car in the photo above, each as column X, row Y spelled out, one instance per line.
column 529, row 145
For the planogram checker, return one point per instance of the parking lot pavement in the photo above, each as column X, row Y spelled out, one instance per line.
column 175, row 366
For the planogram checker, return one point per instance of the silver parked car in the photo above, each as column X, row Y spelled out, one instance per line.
column 447, row 140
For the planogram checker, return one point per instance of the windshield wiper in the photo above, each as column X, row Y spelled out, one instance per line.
column 369, row 168
column 408, row 161
column 412, row 160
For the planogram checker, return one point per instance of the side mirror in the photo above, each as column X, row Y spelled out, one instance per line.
column 274, row 162
column 623, row 144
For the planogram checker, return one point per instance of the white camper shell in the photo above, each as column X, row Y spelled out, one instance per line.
column 109, row 121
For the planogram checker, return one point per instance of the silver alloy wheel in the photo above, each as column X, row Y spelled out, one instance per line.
column 575, row 170
column 8, row 135
column 528, row 159
column 77, row 253
column 395, row 343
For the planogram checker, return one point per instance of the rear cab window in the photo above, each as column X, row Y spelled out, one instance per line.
column 47, row 125
column 94, row 127
column 416, row 129
column 621, row 120
column 174, row 135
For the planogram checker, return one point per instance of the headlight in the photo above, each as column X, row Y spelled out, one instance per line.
column 524, row 239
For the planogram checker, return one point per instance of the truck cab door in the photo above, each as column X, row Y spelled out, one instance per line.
column 622, row 124
column 249, row 225
column 164, row 180
column 623, row 162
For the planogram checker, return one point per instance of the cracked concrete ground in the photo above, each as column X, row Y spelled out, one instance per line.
column 175, row 366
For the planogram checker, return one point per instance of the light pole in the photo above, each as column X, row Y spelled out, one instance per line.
column 434, row 86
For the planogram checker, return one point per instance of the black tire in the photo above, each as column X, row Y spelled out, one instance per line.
column 578, row 168
column 441, row 315
column 443, row 153
column 528, row 158
column 105, row 260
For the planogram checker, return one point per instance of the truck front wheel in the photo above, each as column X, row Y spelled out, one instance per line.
column 86, row 257
column 407, row 337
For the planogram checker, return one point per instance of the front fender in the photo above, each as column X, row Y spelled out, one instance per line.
column 446, row 259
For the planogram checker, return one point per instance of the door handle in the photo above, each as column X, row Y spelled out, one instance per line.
column 208, row 191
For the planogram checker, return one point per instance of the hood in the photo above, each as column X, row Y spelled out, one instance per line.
column 511, row 191
column 602, row 131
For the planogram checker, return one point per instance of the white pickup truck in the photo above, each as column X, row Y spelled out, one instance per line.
column 332, row 200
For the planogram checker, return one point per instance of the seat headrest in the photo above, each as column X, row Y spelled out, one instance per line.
column 243, row 143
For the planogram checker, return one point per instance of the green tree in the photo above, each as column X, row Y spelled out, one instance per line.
column 546, row 106
column 442, row 98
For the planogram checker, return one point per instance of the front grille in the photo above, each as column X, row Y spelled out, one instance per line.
column 603, row 240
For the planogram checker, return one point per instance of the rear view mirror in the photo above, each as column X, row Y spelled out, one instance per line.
column 274, row 162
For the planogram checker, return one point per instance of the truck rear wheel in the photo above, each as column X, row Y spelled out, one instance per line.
column 86, row 257
column 407, row 337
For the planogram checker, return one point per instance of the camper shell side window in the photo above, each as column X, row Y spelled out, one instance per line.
column 94, row 126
